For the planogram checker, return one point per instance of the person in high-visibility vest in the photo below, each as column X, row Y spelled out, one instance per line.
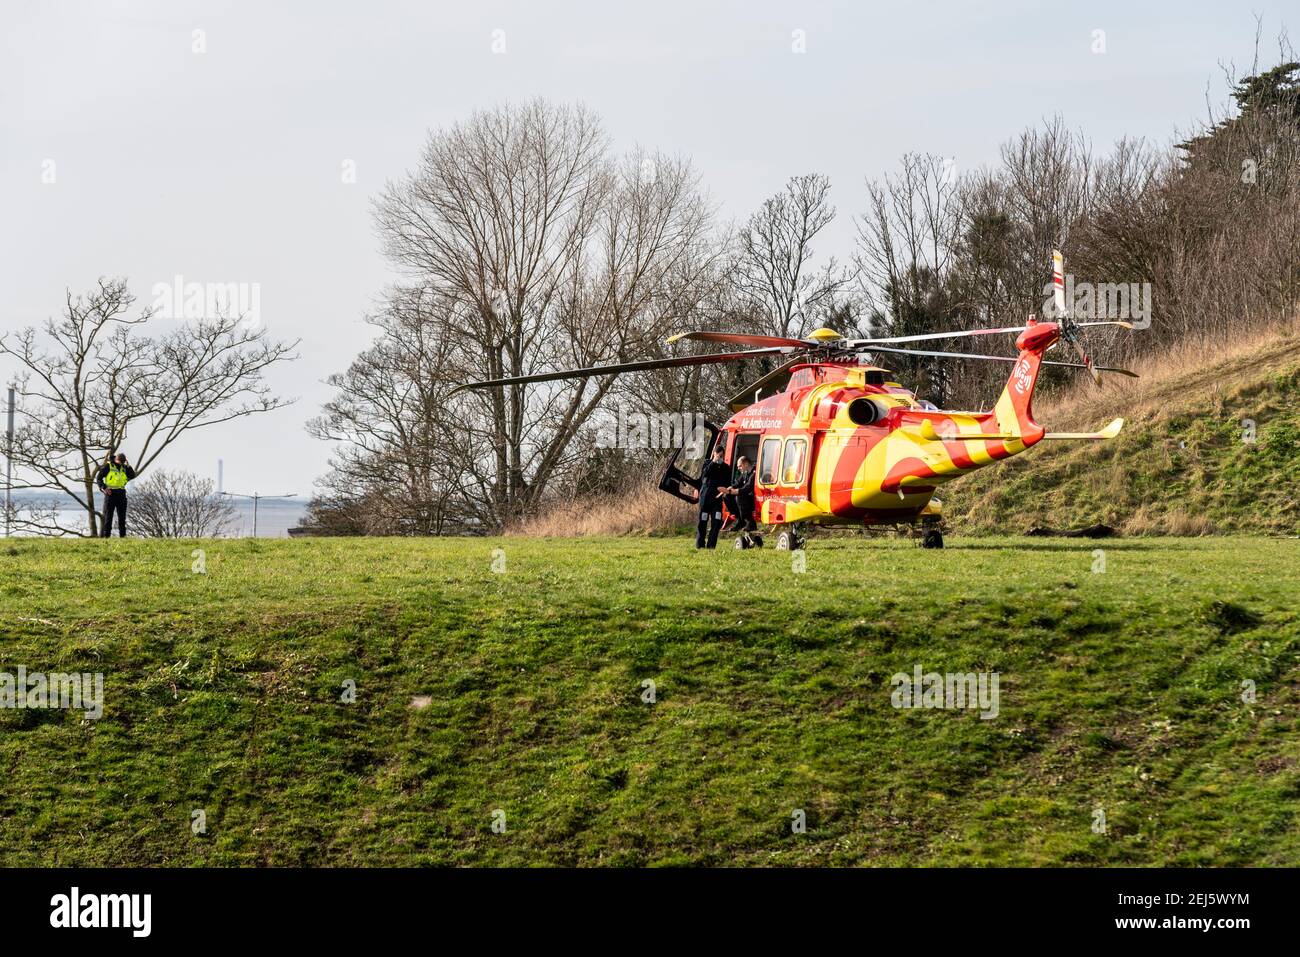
column 111, row 479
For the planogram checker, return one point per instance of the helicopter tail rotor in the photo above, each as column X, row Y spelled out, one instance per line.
column 1069, row 327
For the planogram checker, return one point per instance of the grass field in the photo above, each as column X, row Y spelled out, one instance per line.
column 1120, row 690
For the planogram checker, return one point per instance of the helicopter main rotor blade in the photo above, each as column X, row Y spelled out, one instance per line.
column 621, row 367
column 973, row 355
column 744, row 339
column 856, row 343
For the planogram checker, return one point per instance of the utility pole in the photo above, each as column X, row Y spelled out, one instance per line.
column 256, row 497
column 9, row 463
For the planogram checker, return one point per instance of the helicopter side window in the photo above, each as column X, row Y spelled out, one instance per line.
column 792, row 465
column 767, row 469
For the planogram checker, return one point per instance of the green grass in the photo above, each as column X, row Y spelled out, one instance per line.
column 1119, row 690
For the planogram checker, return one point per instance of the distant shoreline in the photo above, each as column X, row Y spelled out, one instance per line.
column 275, row 516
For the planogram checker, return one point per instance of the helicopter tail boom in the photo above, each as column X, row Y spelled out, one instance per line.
column 1013, row 414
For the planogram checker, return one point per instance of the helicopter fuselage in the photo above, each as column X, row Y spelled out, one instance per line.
column 844, row 445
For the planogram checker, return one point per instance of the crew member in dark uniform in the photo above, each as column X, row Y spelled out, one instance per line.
column 713, row 480
column 111, row 479
column 740, row 497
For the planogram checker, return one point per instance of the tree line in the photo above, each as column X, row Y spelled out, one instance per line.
column 527, row 245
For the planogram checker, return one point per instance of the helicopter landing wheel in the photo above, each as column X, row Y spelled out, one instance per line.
column 788, row 539
column 933, row 538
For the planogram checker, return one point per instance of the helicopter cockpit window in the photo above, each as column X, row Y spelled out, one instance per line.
column 792, row 465
column 768, row 461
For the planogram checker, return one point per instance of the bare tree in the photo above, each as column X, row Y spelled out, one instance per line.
column 402, row 451
column 1225, row 241
column 179, row 505
column 942, row 251
column 93, row 381
column 908, row 234
column 762, row 280
column 774, row 272
column 551, row 256
column 907, row 239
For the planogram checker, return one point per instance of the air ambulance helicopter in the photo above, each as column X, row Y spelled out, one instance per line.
column 837, row 442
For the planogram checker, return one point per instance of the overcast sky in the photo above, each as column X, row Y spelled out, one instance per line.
column 226, row 165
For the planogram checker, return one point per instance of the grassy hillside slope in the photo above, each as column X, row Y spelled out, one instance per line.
column 521, row 689
column 1181, row 465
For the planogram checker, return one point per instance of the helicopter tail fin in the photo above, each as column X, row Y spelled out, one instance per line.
column 1014, row 410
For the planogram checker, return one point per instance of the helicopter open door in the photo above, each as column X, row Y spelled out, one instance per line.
column 684, row 482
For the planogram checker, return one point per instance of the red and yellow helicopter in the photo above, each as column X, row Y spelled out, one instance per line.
column 837, row 443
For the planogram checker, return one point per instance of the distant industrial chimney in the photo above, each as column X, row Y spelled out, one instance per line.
column 220, row 480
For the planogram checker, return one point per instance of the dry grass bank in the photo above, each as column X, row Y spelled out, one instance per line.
column 642, row 511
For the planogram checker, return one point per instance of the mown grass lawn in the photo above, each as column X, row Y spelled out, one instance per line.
column 1120, row 690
